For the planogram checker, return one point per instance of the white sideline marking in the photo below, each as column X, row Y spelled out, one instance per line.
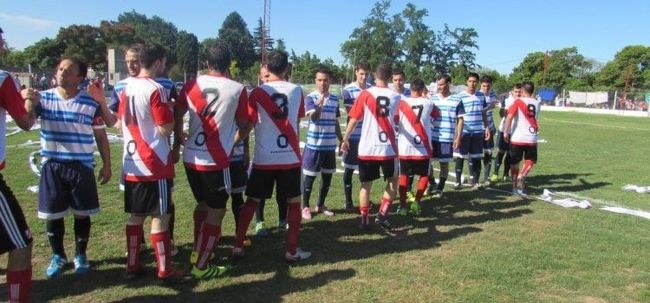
column 594, row 124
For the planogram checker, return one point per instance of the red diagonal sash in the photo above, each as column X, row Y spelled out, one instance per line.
column 412, row 118
column 284, row 125
column 209, row 124
column 383, row 122
column 530, row 117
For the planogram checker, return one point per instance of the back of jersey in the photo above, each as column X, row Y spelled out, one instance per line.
column 415, row 115
column 524, row 124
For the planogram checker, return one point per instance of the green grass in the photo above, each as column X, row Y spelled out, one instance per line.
column 467, row 247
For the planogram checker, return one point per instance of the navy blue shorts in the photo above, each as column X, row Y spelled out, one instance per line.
column 209, row 186
column 471, row 147
column 148, row 198
column 315, row 161
column 503, row 145
column 488, row 145
column 67, row 186
column 369, row 169
column 238, row 177
column 351, row 158
column 261, row 182
column 14, row 232
column 442, row 152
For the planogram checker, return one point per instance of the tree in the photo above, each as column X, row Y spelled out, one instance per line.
column 563, row 65
column 454, row 51
column 117, row 35
column 262, row 33
column 187, row 54
column 418, row 42
column 84, row 42
column 378, row 40
column 45, row 53
column 154, row 29
column 235, row 34
column 280, row 46
column 613, row 74
column 203, row 52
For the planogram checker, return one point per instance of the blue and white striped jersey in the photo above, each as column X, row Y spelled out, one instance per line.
column 444, row 127
column 350, row 94
column 321, row 134
column 474, row 106
column 67, row 127
column 490, row 102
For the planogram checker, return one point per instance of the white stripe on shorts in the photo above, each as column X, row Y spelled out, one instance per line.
column 10, row 223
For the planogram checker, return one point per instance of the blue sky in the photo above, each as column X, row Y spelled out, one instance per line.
column 508, row 30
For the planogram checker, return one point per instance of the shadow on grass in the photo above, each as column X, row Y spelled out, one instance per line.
column 565, row 182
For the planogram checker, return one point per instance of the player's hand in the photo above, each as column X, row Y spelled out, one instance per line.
column 456, row 144
column 30, row 94
column 344, row 148
column 104, row 175
column 506, row 137
column 488, row 134
column 96, row 91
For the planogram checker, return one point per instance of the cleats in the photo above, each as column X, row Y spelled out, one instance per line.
column 55, row 269
column 283, row 225
column 410, row 196
column 324, row 210
column 306, row 213
column 416, row 209
column 298, row 256
column 209, row 272
column 437, row 194
column 383, row 222
column 458, row 186
column 177, row 276
column 81, row 265
column 260, row 229
column 494, row 178
column 402, row 211
column 248, row 242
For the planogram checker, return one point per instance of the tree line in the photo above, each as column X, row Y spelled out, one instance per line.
column 402, row 38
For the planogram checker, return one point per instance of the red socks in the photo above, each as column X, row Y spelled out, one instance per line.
column 402, row 188
column 162, row 247
column 527, row 167
column 199, row 218
column 364, row 214
column 245, row 217
column 385, row 205
column 209, row 237
column 19, row 285
column 293, row 218
column 514, row 173
column 423, row 182
column 134, row 237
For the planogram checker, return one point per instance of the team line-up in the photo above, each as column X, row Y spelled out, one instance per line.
column 395, row 133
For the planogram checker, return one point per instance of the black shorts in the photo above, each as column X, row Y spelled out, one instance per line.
column 260, row 184
column 315, row 161
column 369, row 170
column 503, row 145
column 14, row 232
column 518, row 152
column 471, row 147
column 488, row 145
column 351, row 158
column 67, row 186
column 442, row 151
column 238, row 177
column 414, row 167
column 148, row 198
column 209, row 186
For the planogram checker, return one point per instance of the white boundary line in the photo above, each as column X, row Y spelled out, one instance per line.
column 594, row 124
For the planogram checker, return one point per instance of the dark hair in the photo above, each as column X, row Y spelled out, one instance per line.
column 324, row 70
column 362, row 65
column 445, row 77
column 81, row 66
column 528, row 87
column 383, row 71
column 134, row 47
column 486, row 79
column 472, row 74
column 219, row 57
column 151, row 53
column 277, row 62
column 517, row 85
column 417, row 85
column 398, row 71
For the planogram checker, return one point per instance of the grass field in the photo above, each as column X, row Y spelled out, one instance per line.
column 467, row 247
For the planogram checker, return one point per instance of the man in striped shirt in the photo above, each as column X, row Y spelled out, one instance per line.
column 319, row 155
column 70, row 125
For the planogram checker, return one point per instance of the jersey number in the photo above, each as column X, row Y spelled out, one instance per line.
column 282, row 102
column 211, row 95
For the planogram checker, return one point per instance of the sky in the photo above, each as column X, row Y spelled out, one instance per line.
column 508, row 30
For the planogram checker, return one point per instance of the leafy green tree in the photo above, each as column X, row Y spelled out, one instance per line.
column 187, row 54
column 563, row 65
column 418, row 42
column 280, row 46
column 262, row 33
column 154, row 29
column 614, row 73
column 235, row 34
column 84, row 42
column 45, row 53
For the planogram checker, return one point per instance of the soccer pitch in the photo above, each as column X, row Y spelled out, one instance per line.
column 469, row 246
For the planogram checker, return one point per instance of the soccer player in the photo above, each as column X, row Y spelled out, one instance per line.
column 274, row 110
column 217, row 107
column 504, row 147
column 488, row 143
column 319, row 155
column 376, row 108
column 447, row 132
column 147, row 121
column 399, row 79
column 70, row 120
column 521, row 132
column 15, row 236
column 474, row 132
column 350, row 94
column 414, row 149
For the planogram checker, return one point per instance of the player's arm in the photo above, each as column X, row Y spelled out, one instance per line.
column 355, row 113
column 246, row 110
column 314, row 114
column 460, row 123
column 486, row 125
column 96, row 91
column 179, row 135
column 101, row 138
column 24, row 116
column 506, row 127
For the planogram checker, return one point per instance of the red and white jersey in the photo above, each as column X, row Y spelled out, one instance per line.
column 274, row 108
column 415, row 115
column 377, row 107
column 214, row 104
column 12, row 102
column 143, row 107
column 524, row 124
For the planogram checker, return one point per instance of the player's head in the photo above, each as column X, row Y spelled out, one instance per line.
column 70, row 72
column 218, row 57
column 443, row 83
column 527, row 88
column 322, row 78
column 277, row 62
column 418, row 88
column 361, row 70
column 472, row 80
column 132, row 58
column 516, row 90
column 153, row 58
column 398, row 79
column 264, row 74
column 486, row 83
column 383, row 72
